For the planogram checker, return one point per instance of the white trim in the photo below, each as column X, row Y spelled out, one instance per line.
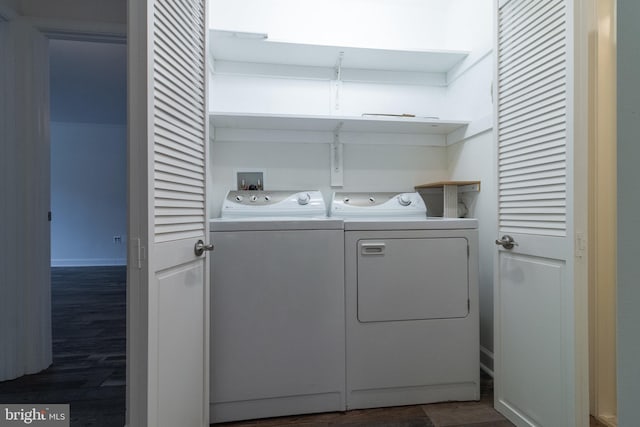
column 89, row 125
column 579, row 39
column 78, row 30
column 138, row 57
column 88, row 262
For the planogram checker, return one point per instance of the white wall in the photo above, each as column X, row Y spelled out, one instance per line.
column 409, row 24
column 88, row 194
column 628, row 217
column 306, row 166
column 474, row 158
column 233, row 93
column 88, row 153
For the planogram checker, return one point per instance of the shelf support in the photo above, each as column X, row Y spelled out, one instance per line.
column 336, row 158
column 337, row 83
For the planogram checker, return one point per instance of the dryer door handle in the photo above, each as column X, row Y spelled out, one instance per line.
column 372, row 248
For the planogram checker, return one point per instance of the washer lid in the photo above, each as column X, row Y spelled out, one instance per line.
column 252, row 204
column 377, row 205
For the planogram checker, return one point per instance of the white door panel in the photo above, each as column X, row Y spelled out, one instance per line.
column 168, row 292
column 180, row 344
column 532, row 335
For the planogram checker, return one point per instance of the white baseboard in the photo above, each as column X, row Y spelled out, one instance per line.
column 88, row 262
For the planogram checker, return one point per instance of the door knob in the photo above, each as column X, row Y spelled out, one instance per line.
column 200, row 247
column 506, row 242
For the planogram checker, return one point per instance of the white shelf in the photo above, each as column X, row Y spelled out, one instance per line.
column 368, row 124
column 243, row 47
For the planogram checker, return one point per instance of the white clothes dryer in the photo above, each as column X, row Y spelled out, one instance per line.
column 277, row 307
column 411, row 282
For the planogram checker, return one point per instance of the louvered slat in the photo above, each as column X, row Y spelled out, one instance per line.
column 179, row 119
column 532, row 127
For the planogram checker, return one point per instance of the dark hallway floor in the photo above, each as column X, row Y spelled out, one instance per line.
column 89, row 348
column 88, row 370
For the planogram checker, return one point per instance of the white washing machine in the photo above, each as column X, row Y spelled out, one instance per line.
column 277, row 307
column 411, row 302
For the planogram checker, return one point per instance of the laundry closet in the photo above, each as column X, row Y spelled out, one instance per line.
column 356, row 96
column 282, row 69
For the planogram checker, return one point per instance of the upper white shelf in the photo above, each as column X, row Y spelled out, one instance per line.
column 366, row 124
column 249, row 47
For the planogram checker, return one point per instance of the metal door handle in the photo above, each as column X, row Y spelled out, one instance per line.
column 200, row 247
column 506, row 242
column 372, row 248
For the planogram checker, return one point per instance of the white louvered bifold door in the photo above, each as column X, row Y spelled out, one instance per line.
column 534, row 335
column 168, row 375
column 532, row 117
column 179, row 120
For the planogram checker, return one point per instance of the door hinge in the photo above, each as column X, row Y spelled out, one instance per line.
column 138, row 252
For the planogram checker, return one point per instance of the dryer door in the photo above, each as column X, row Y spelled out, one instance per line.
column 412, row 279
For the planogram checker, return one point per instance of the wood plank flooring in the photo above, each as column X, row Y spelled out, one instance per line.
column 89, row 348
column 88, row 370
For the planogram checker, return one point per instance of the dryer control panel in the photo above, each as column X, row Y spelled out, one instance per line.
column 373, row 205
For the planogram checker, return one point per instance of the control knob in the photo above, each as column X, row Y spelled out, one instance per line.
column 253, row 198
column 239, row 198
column 303, row 198
column 404, row 200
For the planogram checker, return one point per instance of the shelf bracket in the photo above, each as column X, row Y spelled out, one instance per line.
column 336, row 158
column 337, row 83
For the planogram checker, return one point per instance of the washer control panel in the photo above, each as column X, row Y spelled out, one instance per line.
column 273, row 203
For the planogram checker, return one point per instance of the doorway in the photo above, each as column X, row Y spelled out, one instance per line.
column 88, row 105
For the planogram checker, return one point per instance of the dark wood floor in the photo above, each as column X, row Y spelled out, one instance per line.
column 88, row 370
column 89, row 348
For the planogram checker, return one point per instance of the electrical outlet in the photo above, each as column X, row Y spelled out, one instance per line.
column 117, row 239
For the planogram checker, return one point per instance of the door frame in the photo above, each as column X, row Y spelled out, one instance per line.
column 603, row 207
